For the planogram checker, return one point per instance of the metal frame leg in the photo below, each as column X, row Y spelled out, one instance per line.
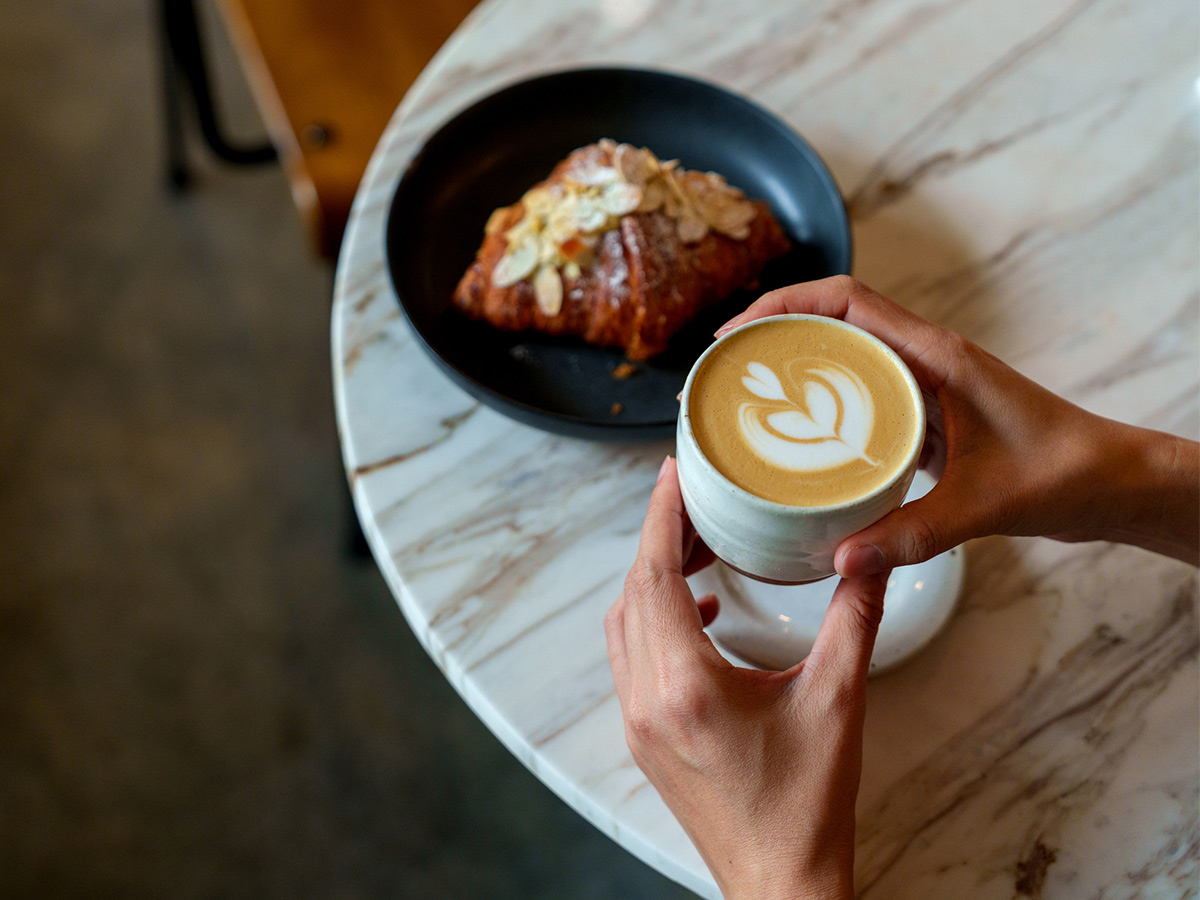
column 185, row 74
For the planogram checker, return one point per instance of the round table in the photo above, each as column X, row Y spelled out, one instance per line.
column 1025, row 173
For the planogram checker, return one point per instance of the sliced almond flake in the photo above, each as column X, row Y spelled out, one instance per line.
column 595, row 223
column 733, row 221
column 548, row 289
column 590, row 217
column 620, row 199
column 594, row 176
column 717, row 200
column 670, row 204
column 516, row 264
column 625, row 161
column 674, row 184
column 495, row 221
column 718, row 182
column 652, row 197
column 525, row 228
column 538, row 200
column 721, row 203
column 741, row 211
column 548, row 254
column 636, row 166
column 558, row 231
column 684, row 207
column 713, row 198
column 691, row 230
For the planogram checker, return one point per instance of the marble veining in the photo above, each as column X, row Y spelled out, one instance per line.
column 1026, row 173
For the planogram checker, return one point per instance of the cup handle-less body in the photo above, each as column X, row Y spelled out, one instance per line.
column 773, row 544
column 772, row 541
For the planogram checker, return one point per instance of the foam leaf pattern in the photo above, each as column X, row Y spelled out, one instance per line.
column 763, row 382
column 796, row 425
column 831, row 428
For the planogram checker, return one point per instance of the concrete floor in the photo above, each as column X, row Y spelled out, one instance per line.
column 201, row 694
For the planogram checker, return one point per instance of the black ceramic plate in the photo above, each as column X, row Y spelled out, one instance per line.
column 491, row 153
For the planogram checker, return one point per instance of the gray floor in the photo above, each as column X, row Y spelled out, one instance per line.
column 201, row 694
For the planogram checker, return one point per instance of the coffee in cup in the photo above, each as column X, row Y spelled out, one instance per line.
column 795, row 432
column 804, row 413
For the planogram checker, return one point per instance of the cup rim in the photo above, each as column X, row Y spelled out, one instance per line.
column 905, row 469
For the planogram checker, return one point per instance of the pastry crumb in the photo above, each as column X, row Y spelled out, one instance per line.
column 623, row 371
column 617, row 409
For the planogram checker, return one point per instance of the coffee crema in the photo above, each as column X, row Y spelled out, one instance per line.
column 804, row 412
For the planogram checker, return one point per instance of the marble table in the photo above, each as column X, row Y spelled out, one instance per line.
column 1026, row 173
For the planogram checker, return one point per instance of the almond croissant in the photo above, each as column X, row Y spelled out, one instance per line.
column 618, row 248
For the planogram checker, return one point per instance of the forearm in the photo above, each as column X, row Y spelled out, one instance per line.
column 1150, row 492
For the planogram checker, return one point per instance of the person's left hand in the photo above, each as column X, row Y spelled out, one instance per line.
column 760, row 768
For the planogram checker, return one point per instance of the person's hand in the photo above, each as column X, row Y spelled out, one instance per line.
column 761, row 768
column 1013, row 458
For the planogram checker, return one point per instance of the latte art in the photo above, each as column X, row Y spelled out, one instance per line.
column 830, row 427
column 805, row 412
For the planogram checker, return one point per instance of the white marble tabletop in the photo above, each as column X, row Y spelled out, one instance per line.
column 1024, row 172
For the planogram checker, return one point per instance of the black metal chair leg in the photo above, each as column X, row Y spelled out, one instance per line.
column 177, row 170
column 186, row 73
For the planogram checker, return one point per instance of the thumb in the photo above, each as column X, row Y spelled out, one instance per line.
column 912, row 534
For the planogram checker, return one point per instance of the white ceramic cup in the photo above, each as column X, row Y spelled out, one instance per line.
column 772, row 541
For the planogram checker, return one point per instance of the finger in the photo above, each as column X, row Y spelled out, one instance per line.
column 934, row 449
column 841, row 653
column 700, row 558
column 660, row 611
column 926, row 348
column 661, row 546
column 912, row 534
column 618, row 658
column 709, row 606
column 825, row 297
column 689, row 539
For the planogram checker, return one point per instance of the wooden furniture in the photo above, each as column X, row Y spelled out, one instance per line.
column 326, row 78
column 1023, row 173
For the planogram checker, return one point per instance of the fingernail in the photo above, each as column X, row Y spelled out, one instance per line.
column 864, row 560
column 728, row 326
column 662, row 470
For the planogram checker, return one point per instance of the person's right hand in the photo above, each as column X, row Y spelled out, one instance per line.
column 1013, row 458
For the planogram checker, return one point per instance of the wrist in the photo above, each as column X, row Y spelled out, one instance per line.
column 837, row 890
column 830, row 882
